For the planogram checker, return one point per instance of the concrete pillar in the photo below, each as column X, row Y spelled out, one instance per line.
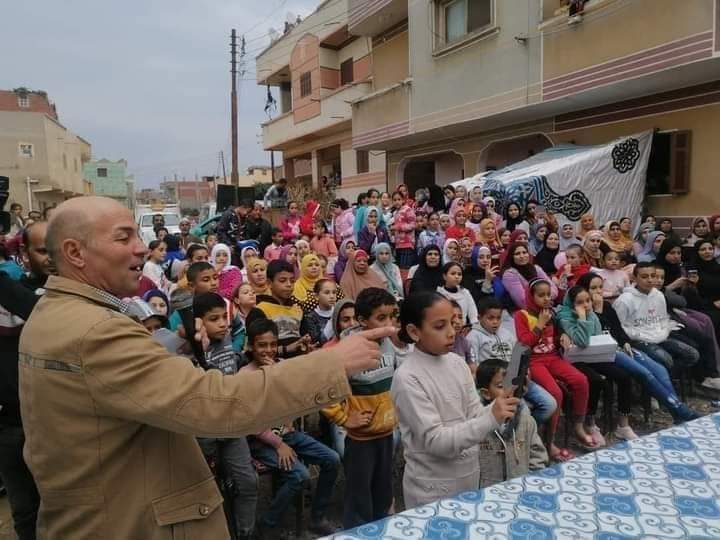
column 470, row 164
column 289, row 166
column 315, row 168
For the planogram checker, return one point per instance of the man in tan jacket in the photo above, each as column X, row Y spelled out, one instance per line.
column 111, row 418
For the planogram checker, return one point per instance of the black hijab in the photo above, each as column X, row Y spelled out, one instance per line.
column 672, row 271
column 511, row 223
column 545, row 258
column 426, row 278
column 709, row 273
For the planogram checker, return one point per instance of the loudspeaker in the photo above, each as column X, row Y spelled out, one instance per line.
column 4, row 194
column 246, row 194
column 227, row 196
column 4, row 190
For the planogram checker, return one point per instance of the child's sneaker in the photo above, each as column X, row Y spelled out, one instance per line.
column 625, row 433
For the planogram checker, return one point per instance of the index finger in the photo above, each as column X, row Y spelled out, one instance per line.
column 378, row 333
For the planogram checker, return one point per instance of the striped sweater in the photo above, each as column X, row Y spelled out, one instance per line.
column 370, row 392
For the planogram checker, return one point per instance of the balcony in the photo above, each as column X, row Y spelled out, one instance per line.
column 380, row 117
column 372, row 17
column 615, row 42
column 283, row 132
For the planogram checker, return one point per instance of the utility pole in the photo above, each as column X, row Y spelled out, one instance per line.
column 235, row 178
column 272, row 166
column 222, row 161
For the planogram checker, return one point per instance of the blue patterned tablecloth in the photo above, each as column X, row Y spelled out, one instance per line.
column 664, row 485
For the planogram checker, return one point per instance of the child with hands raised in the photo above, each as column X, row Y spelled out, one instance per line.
column 535, row 329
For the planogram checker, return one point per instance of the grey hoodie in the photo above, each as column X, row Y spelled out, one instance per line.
column 485, row 344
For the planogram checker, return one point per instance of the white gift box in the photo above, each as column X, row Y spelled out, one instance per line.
column 602, row 348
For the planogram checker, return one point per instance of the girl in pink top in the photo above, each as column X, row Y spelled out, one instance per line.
column 290, row 226
column 322, row 243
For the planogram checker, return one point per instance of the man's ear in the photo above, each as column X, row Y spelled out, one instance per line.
column 73, row 252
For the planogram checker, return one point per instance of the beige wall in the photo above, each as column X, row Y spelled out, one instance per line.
column 390, row 61
column 493, row 73
column 704, row 122
column 620, row 29
column 51, row 142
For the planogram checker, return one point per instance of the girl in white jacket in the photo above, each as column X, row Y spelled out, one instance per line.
column 452, row 290
column 442, row 419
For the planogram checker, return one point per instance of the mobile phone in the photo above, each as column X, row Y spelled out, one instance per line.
column 692, row 273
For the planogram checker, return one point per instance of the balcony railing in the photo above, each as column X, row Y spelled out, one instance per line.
column 334, row 109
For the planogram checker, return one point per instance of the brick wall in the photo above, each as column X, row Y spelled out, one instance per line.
column 37, row 103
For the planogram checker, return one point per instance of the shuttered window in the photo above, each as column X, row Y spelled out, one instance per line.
column 346, row 72
column 305, row 84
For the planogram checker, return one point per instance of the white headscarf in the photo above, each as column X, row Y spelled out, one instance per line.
column 217, row 248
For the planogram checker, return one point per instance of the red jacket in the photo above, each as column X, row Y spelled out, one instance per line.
column 541, row 344
column 458, row 233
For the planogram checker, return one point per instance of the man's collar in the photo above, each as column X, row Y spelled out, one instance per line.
column 77, row 288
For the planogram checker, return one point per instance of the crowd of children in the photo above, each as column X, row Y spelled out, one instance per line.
column 464, row 281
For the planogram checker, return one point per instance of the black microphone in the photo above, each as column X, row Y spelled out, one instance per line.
column 181, row 300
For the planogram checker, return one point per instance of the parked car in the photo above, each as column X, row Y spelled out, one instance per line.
column 147, row 232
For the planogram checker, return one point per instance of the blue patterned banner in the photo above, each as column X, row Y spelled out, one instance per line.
column 664, row 485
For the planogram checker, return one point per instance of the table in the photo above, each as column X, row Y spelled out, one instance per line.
column 664, row 485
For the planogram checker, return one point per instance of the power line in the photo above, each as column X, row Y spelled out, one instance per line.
column 263, row 21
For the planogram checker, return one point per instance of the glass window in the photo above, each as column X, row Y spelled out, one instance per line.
column 455, row 20
column 26, row 150
column 171, row 220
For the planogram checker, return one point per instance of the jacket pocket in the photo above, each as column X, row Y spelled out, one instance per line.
column 188, row 510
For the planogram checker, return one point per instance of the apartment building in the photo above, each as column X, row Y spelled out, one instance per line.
column 464, row 86
column 320, row 69
column 42, row 158
column 110, row 179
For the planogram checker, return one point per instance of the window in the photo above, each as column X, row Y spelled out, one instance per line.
column 457, row 19
column 669, row 164
column 102, row 172
column 75, row 164
column 26, row 150
column 171, row 220
column 23, row 101
column 305, row 84
column 65, row 161
column 363, row 161
column 346, row 72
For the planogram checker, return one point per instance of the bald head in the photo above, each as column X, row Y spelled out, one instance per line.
column 77, row 219
column 95, row 240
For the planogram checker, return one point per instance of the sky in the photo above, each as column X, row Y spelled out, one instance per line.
column 146, row 80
